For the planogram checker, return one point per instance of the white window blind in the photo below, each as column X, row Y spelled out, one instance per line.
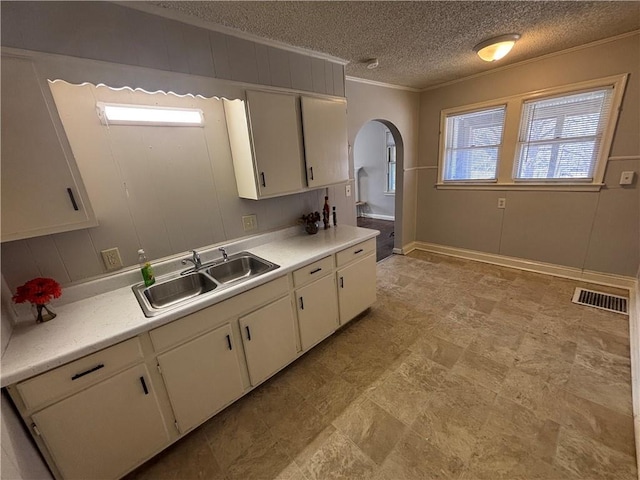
column 560, row 137
column 473, row 141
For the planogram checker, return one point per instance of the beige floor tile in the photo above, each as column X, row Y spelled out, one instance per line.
column 233, row 431
column 546, row 357
column 603, row 362
column 191, row 457
column 440, row 351
column 333, row 397
column 422, row 373
column 480, row 369
column 538, row 434
column 532, row 392
column 590, row 459
column 297, row 428
column 500, row 344
column 415, row 458
column 454, row 414
column 613, row 429
column 371, row 428
column 603, row 340
column 602, row 389
column 400, row 398
column 266, row 459
column 338, row 458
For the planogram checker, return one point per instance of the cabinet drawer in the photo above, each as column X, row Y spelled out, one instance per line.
column 357, row 251
column 313, row 271
column 72, row 377
column 209, row 318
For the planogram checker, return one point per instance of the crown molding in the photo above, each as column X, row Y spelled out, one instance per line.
column 382, row 84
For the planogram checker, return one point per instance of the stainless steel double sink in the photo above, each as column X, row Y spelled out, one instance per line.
column 180, row 289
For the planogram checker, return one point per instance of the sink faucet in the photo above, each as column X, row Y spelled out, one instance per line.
column 225, row 257
column 195, row 259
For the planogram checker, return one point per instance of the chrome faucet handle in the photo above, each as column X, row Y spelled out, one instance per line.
column 225, row 256
column 195, row 259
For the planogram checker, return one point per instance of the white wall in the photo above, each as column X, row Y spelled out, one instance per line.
column 370, row 153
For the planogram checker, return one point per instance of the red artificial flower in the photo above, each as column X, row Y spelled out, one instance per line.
column 38, row 291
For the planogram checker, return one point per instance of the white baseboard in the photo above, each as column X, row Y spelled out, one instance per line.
column 378, row 216
column 607, row 279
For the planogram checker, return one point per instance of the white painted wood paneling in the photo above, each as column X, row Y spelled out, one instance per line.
column 175, row 41
column 279, row 68
column 198, row 52
column 301, row 77
column 338, row 79
column 46, row 256
column 78, row 254
column 262, row 59
column 220, row 54
column 328, row 77
column 317, row 73
column 242, row 60
column 149, row 42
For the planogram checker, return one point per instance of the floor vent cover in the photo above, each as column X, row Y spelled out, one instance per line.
column 604, row 301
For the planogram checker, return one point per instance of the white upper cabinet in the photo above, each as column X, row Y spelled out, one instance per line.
column 42, row 192
column 273, row 141
column 324, row 124
column 266, row 144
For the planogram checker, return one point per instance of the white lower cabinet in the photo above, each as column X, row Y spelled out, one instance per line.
column 356, row 287
column 105, row 430
column 268, row 336
column 317, row 307
column 201, row 376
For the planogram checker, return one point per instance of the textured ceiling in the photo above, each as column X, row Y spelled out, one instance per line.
column 419, row 44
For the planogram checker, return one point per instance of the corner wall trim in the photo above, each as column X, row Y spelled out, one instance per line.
column 607, row 279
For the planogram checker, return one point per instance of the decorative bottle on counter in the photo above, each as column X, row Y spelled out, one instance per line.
column 325, row 213
column 145, row 269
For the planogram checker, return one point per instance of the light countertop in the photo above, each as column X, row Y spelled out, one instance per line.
column 105, row 318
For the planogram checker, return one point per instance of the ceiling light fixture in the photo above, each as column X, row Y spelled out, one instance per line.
column 496, row 48
column 372, row 63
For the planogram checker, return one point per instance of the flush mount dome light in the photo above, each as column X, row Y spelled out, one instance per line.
column 496, row 48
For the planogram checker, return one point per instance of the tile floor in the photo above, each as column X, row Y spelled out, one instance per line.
column 460, row 370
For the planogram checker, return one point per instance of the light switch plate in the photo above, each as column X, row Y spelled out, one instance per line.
column 111, row 259
column 347, row 190
column 626, row 178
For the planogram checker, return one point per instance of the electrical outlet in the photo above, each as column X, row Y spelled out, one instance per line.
column 249, row 222
column 111, row 259
column 626, row 178
column 502, row 203
column 347, row 190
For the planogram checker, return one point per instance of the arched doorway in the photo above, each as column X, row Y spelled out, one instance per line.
column 377, row 159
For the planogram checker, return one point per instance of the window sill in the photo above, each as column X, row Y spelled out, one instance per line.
column 545, row 187
column 389, row 194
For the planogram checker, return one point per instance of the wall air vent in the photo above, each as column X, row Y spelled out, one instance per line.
column 604, row 301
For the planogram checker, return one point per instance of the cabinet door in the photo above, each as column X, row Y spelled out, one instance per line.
column 39, row 182
column 317, row 306
column 201, row 376
column 324, row 124
column 277, row 142
column 356, row 287
column 268, row 336
column 105, row 430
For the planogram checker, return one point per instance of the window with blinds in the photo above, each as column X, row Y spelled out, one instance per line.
column 560, row 137
column 473, row 141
